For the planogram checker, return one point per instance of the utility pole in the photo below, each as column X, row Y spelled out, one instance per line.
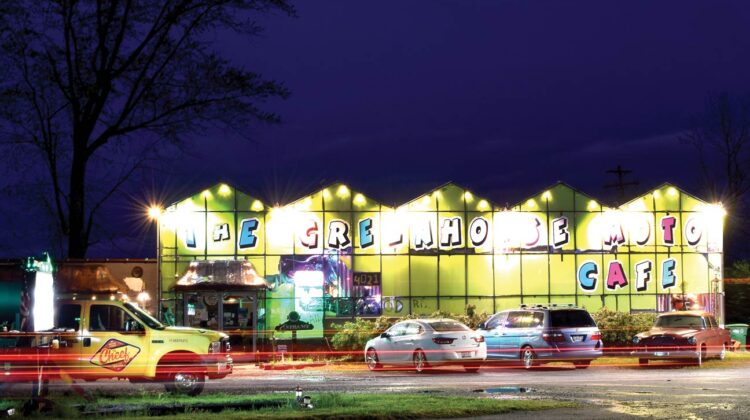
column 621, row 184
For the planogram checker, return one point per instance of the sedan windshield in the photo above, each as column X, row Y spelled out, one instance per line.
column 145, row 317
column 446, row 326
column 674, row 321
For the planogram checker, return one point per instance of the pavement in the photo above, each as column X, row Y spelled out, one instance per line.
column 612, row 391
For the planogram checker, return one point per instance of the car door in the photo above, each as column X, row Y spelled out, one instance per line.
column 68, row 322
column 408, row 341
column 514, row 331
column 115, row 343
column 492, row 330
column 386, row 346
column 715, row 340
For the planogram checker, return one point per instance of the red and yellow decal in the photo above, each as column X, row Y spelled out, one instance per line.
column 115, row 355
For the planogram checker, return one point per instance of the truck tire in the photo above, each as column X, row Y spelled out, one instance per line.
column 182, row 373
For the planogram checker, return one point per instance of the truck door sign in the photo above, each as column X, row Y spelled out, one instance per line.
column 115, row 355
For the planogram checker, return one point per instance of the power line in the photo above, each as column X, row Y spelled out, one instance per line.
column 621, row 184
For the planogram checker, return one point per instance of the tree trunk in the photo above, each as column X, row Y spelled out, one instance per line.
column 77, row 234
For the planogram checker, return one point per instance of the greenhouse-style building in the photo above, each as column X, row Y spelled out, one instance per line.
column 229, row 261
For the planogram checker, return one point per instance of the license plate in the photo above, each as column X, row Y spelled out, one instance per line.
column 465, row 354
column 577, row 338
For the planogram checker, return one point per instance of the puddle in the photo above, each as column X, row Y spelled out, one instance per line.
column 505, row 390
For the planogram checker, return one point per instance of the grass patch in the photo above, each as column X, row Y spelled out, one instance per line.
column 327, row 406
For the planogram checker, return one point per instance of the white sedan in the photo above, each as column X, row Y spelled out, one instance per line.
column 421, row 343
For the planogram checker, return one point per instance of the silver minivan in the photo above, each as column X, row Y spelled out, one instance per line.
column 543, row 333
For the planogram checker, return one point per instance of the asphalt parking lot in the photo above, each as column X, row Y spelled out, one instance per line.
column 613, row 391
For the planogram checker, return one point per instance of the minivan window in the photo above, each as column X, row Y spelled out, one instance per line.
column 496, row 321
column 518, row 319
column 536, row 320
column 570, row 318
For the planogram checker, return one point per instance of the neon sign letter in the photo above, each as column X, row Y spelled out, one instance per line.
column 667, row 225
column 668, row 276
column 450, row 232
column 310, row 238
column 247, row 238
column 616, row 276
column 642, row 275
column 422, row 235
column 693, row 232
column 560, row 235
column 365, row 233
column 479, row 229
column 588, row 275
column 221, row 232
column 338, row 234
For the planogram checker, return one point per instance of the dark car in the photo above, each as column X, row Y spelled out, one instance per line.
column 690, row 336
column 543, row 333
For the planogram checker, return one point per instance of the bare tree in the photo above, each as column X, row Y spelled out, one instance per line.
column 721, row 138
column 95, row 87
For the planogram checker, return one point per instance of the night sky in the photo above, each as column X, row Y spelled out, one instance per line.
column 504, row 97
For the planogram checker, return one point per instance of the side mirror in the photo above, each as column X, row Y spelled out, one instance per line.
column 482, row 326
column 385, row 335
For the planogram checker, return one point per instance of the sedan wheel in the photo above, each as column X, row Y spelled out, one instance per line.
column 473, row 368
column 420, row 361
column 528, row 358
column 372, row 360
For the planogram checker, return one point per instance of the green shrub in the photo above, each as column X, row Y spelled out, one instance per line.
column 618, row 328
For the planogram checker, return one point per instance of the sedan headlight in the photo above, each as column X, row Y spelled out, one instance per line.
column 636, row 339
column 214, row 347
column 692, row 340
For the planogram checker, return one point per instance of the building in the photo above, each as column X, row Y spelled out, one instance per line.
column 229, row 261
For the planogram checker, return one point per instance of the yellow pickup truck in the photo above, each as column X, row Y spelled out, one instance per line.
column 114, row 339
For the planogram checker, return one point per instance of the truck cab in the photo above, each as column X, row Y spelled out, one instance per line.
column 116, row 339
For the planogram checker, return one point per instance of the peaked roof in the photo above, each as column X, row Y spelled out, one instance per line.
column 559, row 196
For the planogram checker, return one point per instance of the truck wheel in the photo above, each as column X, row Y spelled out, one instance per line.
column 182, row 374
column 185, row 382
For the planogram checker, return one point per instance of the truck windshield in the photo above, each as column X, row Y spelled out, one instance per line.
column 145, row 316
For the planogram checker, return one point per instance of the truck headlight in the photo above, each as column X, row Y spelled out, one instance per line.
column 692, row 340
column 636, row 339
column 214, row 347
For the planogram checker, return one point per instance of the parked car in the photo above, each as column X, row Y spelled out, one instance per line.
column 686, row 335
column 539, row 334
column 422, row 343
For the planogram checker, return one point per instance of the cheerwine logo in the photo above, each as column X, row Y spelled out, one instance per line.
column 115, row 355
